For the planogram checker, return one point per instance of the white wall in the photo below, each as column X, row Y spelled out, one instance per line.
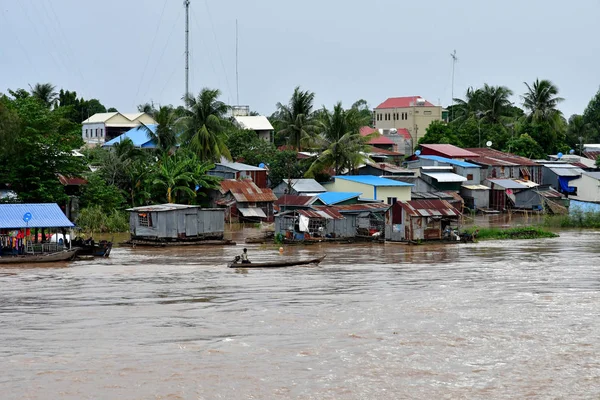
column 96, row 133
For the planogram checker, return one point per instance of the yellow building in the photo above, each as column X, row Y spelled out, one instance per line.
column 372, row 187
column 411, row 113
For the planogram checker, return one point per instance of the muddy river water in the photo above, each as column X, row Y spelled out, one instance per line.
column 498, row 319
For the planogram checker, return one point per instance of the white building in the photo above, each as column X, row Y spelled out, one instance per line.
column 102, row 127
column 257, row 123
column 587, row 187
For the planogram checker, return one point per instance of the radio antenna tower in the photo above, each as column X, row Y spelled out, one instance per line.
column 186, row 3
column 454, row 60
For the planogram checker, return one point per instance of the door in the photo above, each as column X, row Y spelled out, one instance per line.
column 191, row 225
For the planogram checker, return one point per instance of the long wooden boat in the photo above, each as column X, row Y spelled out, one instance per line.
column 276, row 264
column 91, row 248
column 66, row 255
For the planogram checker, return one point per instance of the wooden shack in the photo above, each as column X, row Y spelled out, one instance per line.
column 176, row 223
column 417, row 220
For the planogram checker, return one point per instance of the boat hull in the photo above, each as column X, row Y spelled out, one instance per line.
column 61, row 256
column 277, row 264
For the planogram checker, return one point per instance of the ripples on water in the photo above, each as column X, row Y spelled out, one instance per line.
column 487, row 320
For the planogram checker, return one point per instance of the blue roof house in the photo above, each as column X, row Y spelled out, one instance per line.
column 138, row 136
column 337, row 198
column 371, row 187
column 45, row 215
column 465, row 169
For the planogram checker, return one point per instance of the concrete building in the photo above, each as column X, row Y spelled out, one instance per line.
column 102, row 127
column 587, row 187
column 257, row 123
column 176, row 222
column 138, row 137
column 411, row 113
column 371, row 187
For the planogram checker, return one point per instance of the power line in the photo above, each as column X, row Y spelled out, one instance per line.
column 454, row 60
column 217, row 44
column 150, row 53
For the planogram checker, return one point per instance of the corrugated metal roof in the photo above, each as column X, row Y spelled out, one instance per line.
column 508, row 183
column 476, row 187
column 591, row 154
column 431, row 196
column 378, row 151
column 254, row 122
column 325, row 212
column 138, row 136
column 307, row 186
column 377, row 139
column 71, row 181
column 445, row 176
column 331, row 198
column 451, row 161
column 45, row 215
column 486, row 156
column 245, row 191
column 292, row 200
column 429, row 208
column 252, row 212
column 100, row 117
column 387, row 167
column 372, row 180
column 404, row 102
column 595, row 175
column 241, row 166
column 162, row 207
column 450, row 150
column 572, row 171
column 361, row 207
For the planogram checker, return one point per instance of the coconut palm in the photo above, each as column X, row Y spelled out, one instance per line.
column 46, row 93
column 147, row 108
column 205, row 125
column 541, row 100
column 342, row 145
column 201, row 179
column 464, row 109
column 164, row 136
column 172, row 174
column 296, row 119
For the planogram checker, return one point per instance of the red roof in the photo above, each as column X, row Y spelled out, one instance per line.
column 578, row 164
column 446, row 150
column 404, row 133
column 245, row 191
column 292, row 200
column 362, row 207
column 376, row 150
column 486, row 156
column 429, row 208
column 318, row 212
column 592, row 155
column 378, row 139
column 403, row 102
column 71, row 181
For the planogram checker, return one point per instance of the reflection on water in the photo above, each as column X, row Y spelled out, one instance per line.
column 485, row 320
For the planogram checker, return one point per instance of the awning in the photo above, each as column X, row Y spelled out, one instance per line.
column 252, row 212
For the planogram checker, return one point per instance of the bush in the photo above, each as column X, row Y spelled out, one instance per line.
column 522, row 232
column 94, row 219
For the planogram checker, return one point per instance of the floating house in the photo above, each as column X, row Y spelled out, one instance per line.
column 417, row 220
column 236, row 170
column 176, row 223
column 299, row 187
column 500, row 165
column 289, row 202
column 316, row 223
column 372, row 187
column 466, row 169
column 245, row 201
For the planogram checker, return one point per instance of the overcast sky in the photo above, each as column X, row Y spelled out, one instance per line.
column 126, row 52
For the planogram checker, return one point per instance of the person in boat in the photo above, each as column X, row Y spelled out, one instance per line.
column 245, row 257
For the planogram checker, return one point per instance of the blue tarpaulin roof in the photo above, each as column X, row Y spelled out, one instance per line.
column 330, row 198
column 575, row 205
column 372, row 180
column 138, row 136
column 48, row 215
column 450, row 161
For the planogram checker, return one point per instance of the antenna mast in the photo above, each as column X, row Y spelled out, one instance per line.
column 186, row 3
column 237, row 85
column 454, row 60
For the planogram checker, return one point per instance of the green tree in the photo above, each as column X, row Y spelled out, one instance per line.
column 285, row 166
column 525, row 146
column 541, row 101
column 494, row 103
column 439, row 132
column 591, row 117
column 577, row 128
column 172, row 175
column 296, row 120
column 363, row 108
column 45, row 92
column 98, row 192
column 164, row 136
column 341, row 144
column 205, row 125
column 246, row 146
column 147, row 108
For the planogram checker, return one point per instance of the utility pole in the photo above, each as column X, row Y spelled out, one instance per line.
column 186, row 3
column 454, row 60
column 237, row 85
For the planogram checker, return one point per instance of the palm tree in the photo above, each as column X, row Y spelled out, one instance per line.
column 541, row 100
column 297, row 122
column 464, row 109
column 147, row 108
column 343, row 146
column 205, row 125
column 201, row 179
column 173, row 175
column 46, row 93
column 494, row 103
column 164, row 136
column 577, row 129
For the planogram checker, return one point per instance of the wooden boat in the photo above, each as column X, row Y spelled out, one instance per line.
column 276, row 264
column 91, row 248
column 65, row 255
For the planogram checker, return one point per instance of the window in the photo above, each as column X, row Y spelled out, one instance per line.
column 86, row 133
column 101, row 132
column 144, row 219
column 427, row 112
column 469, row 177
column 392, row 200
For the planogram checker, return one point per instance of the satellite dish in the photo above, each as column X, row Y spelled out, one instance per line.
column 393, row 131
column 559, row 155
column 261, row 165
column 488, row 143
column 571, row 151
column 418, row 152
column 27, row 217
